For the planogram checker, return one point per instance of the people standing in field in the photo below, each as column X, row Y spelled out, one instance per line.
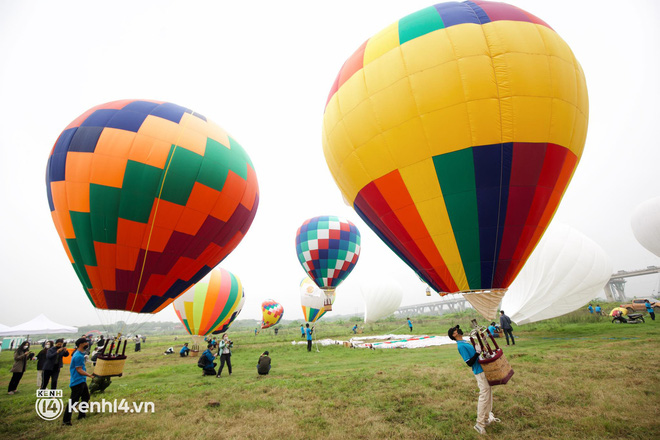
column 409, row 324
column 649, row 309
column 505, row 324
column 470, row 355
column 41, row 360
column 21, row 356
column 263, row 364
column 598, row 310
column 54, row 364
column 225, row 353
column 78, row 381
column 138, row 341
column 308, row 335
column 591, row 309
column 302, row 331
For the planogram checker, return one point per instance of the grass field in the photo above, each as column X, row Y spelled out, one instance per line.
column 576, row 377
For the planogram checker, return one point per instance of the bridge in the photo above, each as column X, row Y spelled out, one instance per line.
column 615, row 287
column 451, row 305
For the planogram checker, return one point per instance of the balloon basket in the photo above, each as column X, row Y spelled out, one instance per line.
column 193, row 353
column 497, row 369
column 109, row 366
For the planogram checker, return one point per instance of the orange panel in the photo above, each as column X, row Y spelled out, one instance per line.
column 159, row 128
column 224, row 207
column 190, row 139
column 106, row 259
column 250, row 194
column 149, row 151
column 412, row 222
column 77, row 194
column 202, row 198
column 130, row 233
column 64, row 243
column 430, row 251
column 190, row 221
column 393, row 189
column 127, row 257
column 78, row 166
column 185, row 268
column 154, row 284
column 167, row 214
column 158, row 240
column 58, row 191
column 234, row 186
column 99, row 298
column 94, row 276
column 114, row 142
column 108, row 170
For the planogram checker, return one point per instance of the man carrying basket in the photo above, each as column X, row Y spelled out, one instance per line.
column 485, row 404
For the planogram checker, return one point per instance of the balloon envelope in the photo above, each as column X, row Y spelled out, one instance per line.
column 212, row 304
column 382, row 297
column 565, row 272
column 147, row 198
column 645, row 222
column 454, row 133
column 312, row 300
column 272, row 312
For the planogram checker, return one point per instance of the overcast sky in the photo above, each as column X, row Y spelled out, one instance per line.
column 262, row 71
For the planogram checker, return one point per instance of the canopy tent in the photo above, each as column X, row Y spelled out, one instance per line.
column 40, row 325
column 3, row 327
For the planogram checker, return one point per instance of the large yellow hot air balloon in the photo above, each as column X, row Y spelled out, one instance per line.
column 454, row 133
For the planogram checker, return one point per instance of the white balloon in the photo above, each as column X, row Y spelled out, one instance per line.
column 565, row 272
column 645, row 222
column 381, row 298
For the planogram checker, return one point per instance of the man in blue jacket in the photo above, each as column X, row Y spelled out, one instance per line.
column 209, row 369
column 78, row 382
column 485, row 404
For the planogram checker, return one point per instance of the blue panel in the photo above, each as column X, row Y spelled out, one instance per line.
column 99, row 118
column 492, row 169
column 171, row 112
column 127, row 120
column 202, row 117
column 454, row 13
column 49, row 193
column 141, row 106
column 481, row 14
column 55, row 170
column 85, row 139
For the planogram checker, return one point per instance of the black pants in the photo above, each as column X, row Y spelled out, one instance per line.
column 13, row 383
column 652, row 316
column 51, row 375
column 411, row 329
column 509, row 332
column 309, row 345
column 210, row 371
column 78, row 392
column 225, row 357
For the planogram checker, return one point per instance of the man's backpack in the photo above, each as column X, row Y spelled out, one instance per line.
column 203, row 361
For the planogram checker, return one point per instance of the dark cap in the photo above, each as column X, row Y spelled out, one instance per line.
column 450, row 332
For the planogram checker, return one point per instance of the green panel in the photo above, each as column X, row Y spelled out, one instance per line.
column 82, row 228
column 181, row 175
column 455, row 173
column 240, row 153
column 217, row 162
column 139, row 190
column 341, row 255
column 78, row 264
column 104, row 209
column 419, row 23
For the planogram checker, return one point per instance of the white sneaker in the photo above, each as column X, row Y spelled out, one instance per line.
column 481, row 430
column 492, row 419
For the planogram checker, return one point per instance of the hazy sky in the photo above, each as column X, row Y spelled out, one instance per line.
column 263, row 70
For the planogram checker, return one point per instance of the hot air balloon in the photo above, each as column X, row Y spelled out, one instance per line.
column 328, row 248
column 147, row 198
column 312, row 300
column 565, row 272
column 382, row 297
column 211, row 305
column 454, row 133
column 272, row 312
column 645, row 222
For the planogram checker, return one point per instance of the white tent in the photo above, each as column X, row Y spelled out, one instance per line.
column 3, row 327
column 40, row 325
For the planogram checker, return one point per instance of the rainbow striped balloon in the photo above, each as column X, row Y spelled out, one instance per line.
column 212, row 304
column 454, row 133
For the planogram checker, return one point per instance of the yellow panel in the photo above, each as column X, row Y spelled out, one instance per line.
column 478, row 77
column 341, row 143
column 352, row 177
column 421, row 180
column 531, row 119
column 580, row 134
column 194, row 123
column 564, row 85
column 437, row 87
column 407, row 143
column 562, row 124
column 554, row 44
column 375, row 158
column 514, row 36
column 427, row 51
column 447, row 129
column 529, row 74
column 394, row 105
column 159, row 128
column 583, row 96
column 467, row 40
column 384, row 71
column 485, row 122
column 190, row 140
column 361, row 124
column 332, row 114
column 352, row 93
column 217, row 133
column 382, row 42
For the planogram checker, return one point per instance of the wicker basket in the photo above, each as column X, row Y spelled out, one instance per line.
column 497, row 369
column 193, row 353
column 107, row 366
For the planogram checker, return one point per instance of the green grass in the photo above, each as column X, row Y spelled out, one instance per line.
column 576, row 377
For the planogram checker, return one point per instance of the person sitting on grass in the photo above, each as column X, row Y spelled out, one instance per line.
column 169, row 351
column 263, row 364
column 206, row 362
column 492, row 329
column 185, row 351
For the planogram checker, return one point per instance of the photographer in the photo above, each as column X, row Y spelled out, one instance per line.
column 308, row 335
column 54, row 364
column 21, row 356
column 225, row 353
